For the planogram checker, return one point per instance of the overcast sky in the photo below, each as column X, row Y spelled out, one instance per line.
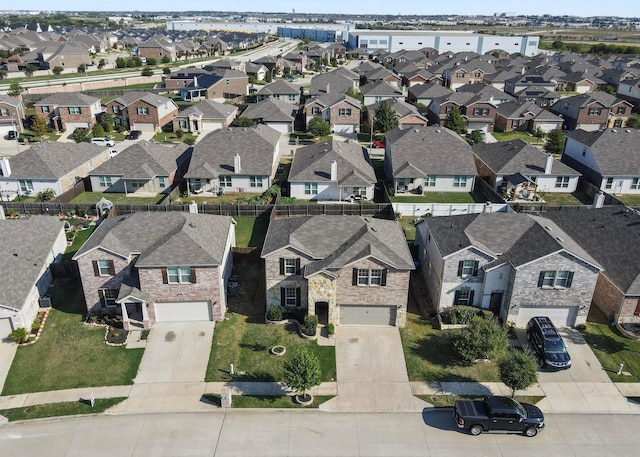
column 623, row 8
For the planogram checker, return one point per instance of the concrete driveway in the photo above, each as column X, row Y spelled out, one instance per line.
column 176, row 353
column 7, row 353
column 371, row 370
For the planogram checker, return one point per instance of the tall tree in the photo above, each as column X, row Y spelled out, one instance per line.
column 385, row 118
column 15, row 89
column 455, row 122
column 518, row 369
column 555, row 142
column 38, row 125
column 319, row 127
column 302, row 372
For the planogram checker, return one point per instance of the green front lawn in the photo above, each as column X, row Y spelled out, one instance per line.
column 69, row 354
column 262, row 401
column 441, row 197
column 171, row 137
column 71, row 408
column 447, row 401
column 251, row 231
column 611, row 348
column 508, row 136
column 244, row 341
column 629, row 200
column 430, row 355
column 117, row 198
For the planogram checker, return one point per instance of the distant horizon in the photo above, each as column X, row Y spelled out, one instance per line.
column 586, row 8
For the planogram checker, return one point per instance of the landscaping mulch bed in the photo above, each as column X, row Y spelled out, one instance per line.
column 116, row 335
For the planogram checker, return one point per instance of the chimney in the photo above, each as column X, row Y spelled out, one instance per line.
column 522, row 72
column 193, row 207
column 598, row 200
column 491, row 99
column 334, row 171
column 548, row 165
column 236, row 163
column 6, row 168
column 195, row 81
column 328, row 87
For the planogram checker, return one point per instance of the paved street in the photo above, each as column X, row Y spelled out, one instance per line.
column 311, row 433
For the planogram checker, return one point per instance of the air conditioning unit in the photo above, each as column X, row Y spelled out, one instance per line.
column 45, row 301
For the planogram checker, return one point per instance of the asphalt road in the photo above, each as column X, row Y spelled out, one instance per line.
column 311, row 433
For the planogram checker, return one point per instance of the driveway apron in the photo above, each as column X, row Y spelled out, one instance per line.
column 371, row 370
column 7, row 353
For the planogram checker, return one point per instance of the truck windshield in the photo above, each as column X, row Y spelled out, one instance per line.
column 520, row 409
column 554, row 346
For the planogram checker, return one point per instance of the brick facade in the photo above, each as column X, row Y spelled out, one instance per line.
column 336, row 118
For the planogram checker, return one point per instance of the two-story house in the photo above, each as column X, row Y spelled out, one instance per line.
column 221, row 85
column 375, row 92
column 158, row 267
column 519, row 266
column 332, row 170
column 11, row 115
column 142, row 111
column 408, row 115
column 348, row 270
column 478, row 111
column 341, row 111
column 593, row 111
column 69, row 111
column 527, row 116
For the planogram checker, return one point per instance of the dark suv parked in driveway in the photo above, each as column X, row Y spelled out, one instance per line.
column 547, row 343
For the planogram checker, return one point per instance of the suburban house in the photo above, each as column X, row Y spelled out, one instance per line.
column 508, row 164
column 347, row 270
column 341, row 111
column 256, row 70
column 607, row 158
column 424, row 94
column 377, row 91
column 593, row 111
column 539, row 95
column 49, row 165
column 156, row 49
column 274, row 112
column 381, row 74
column 332, row 170
column 29, row 246
column 142, row 111
column 423, row 159
column 525, row 116
column 478, row 111
column 235, row 159
column 143, row 169
column 158, row 267
column 11, row 115
column 223, row 85
column 334, row 82
column 408, row 115
column 516, row 265
column 418, row 77
column 581, row 83
column 69, row 111
column 280, row 90
column 609, row 234
column 629, row 89
column 470, row 72
column 518, row 83
column 205, row 116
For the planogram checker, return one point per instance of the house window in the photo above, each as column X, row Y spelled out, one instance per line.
column 182, row 123
column 225, row 181
column 255, row 181
column 291, row 296
column 463, row 297
column 137, row 183
column 45, row 109
column 480, row 111
column 617, row 123
column 459, row 181
column 104, row 267
column 468, row 268
column 621, row 110
column 26, row 186
column 448, row 109
column 116, row 109
column 609, row 183
column 555, row 279
column 75, row 110
column 359, row 191
column 108, row 296
column 459, row 75
column 635, row 183
column 562, row 182
column 4, row 111
column 315, row 110
column 143, row 110
column 162, row 181
column 344, row 112
column 311, row 188
column 104, row 181
column 292, row 97
column 366, row 277
column 179, row 275
column 430, row 181
column 594, row 111
column 377, row 99
column 516, row 123
column 290, row 266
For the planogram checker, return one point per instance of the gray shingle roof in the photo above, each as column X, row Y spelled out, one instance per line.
column 163, row 239
column 434, row 150
column 331, row 99
column 271, row 110
column 68, row 99
column 336, row 81
column 144, row 160
column 614, row 150
column 429, row 90
column 152, row 99
column 380, row 88
column 51, row 160
column 313, row 164
column 280, row 87
column 216, row 151
column 337, row 241
column 518, row 156
column 209, row 109
column 25, row 245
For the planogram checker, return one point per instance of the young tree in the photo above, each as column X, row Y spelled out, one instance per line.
column 146, row 71
column 455, row 122
column 555, row 142
column 319, row 127
column 481, row 339
column 151, row 61
column 518, row 369
column 539, row 133
column 57, row 70
column 302, row 372
column 97, row 131
column 45, row 195
column 242, row 122
column 268, row 77
column 38, row 125
column 82, row 68
column 165, row 59
column 166, row 71
column 121, row 62
column 101, row 64
column 107, row 122
column 81, row 135
column 475, row 137
column 15, row 89
column 385, row 118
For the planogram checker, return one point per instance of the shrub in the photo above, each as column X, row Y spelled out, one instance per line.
column 310, row 324
column 146, row 71
column 179, row 133
column 462, row 315
column 331, row 329
column 274, row 313
column 45, row 195
column 19, row 335
column 481, row 339
column 36, row 324
column 189, row 140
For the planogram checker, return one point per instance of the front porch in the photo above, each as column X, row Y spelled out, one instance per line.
column 133, row 307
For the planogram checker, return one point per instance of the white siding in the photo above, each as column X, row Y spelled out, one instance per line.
column 38, row 186
column 581, row 153
column 547, row 183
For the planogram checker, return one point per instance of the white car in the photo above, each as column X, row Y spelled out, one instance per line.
column 103, row 142
column 113, row 152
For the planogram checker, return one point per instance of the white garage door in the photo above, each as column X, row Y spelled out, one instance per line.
column 478, row 126
column 560, row 316
column 547, row 127
column 211, row 126
column 5, row 328
column 5, row 129
column 344, row 128
column 282, row 127
column 144, row 126
column 367, row 315
column 183, row 311
column 71, row 126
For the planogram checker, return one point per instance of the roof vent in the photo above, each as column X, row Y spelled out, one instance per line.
column 437, row 130
column 628, row 131
column 614, row 131
column 559, row 239
column 192, row 225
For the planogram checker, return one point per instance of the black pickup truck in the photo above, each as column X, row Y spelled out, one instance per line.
column 498, row 414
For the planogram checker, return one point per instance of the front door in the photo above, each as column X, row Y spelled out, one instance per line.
column 495, row 302
column 322, row 311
